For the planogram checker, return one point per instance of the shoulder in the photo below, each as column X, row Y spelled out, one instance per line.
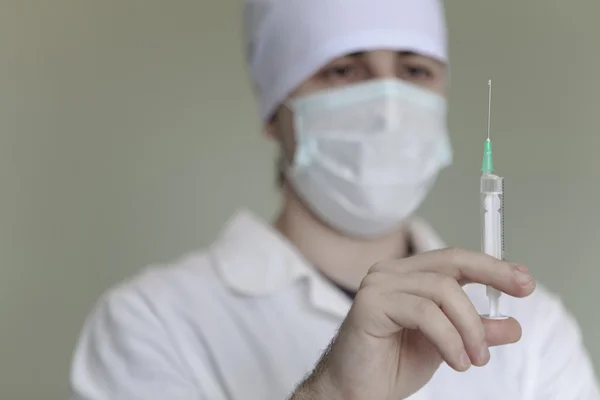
column 210, row 311
column 163, row 323
column 551, row 339
column 153, row 298
column 550, row 360
column 537, row 313
column 207, row 292
column 163, row 294
column 129, row 334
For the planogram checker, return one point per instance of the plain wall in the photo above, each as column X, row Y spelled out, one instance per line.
column 128, row 136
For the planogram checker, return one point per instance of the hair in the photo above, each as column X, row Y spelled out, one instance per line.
column 280, row 175
column 280, row 160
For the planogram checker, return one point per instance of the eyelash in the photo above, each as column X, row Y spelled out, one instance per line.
column 407, row 71
column 421, row 71
column 337, row 71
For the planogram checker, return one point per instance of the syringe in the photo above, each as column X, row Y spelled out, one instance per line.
column 492, row 213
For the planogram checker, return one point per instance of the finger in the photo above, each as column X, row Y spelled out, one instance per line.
column 501, row 332
column 402, row 310
column 450, row 297
column 471, row 267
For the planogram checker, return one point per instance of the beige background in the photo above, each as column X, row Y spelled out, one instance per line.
column 128, row 136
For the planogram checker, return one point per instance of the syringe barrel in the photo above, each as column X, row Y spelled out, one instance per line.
column 492, row 215
column 492, row 227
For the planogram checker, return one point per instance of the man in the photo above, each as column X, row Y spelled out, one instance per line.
column 354, row 93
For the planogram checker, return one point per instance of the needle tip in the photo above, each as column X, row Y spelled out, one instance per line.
column 490, row 82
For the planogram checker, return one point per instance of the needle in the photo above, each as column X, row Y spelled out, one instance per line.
column 489, row 108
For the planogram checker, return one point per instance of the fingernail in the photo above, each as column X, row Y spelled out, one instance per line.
column 522, row 275
column 484, row 355
column 465, row 361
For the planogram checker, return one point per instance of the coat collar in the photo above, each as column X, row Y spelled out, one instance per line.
column 255, row 260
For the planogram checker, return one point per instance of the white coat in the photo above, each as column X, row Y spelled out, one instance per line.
column 247, row 318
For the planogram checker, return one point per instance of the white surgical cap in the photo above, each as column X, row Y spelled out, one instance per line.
column 287, row 41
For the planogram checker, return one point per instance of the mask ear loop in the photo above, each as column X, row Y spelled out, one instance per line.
column 448, row 81
column 446, row 148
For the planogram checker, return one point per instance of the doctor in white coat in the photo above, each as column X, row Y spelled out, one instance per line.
column 347, row 295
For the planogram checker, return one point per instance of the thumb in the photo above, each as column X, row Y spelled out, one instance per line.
column 501, row 332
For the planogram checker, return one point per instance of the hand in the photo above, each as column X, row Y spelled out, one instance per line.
column 408, row 316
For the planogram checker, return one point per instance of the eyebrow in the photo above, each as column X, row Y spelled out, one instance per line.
column 401, row 52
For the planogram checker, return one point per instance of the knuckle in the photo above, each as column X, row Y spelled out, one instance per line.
column 370, row 280
column 454, row 255
column 367, row 297
column 378, row 267
column 425, row 308
column 446, row 285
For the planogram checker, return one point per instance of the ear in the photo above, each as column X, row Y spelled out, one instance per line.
column 272, row 127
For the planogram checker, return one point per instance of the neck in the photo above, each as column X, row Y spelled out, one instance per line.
column 343, row 259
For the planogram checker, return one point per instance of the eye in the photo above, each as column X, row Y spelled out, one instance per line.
column 342, row 73
column 415, row 72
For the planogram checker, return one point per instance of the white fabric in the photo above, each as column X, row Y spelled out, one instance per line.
column 287, row 41
column 247, row 318
column 367, row 154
